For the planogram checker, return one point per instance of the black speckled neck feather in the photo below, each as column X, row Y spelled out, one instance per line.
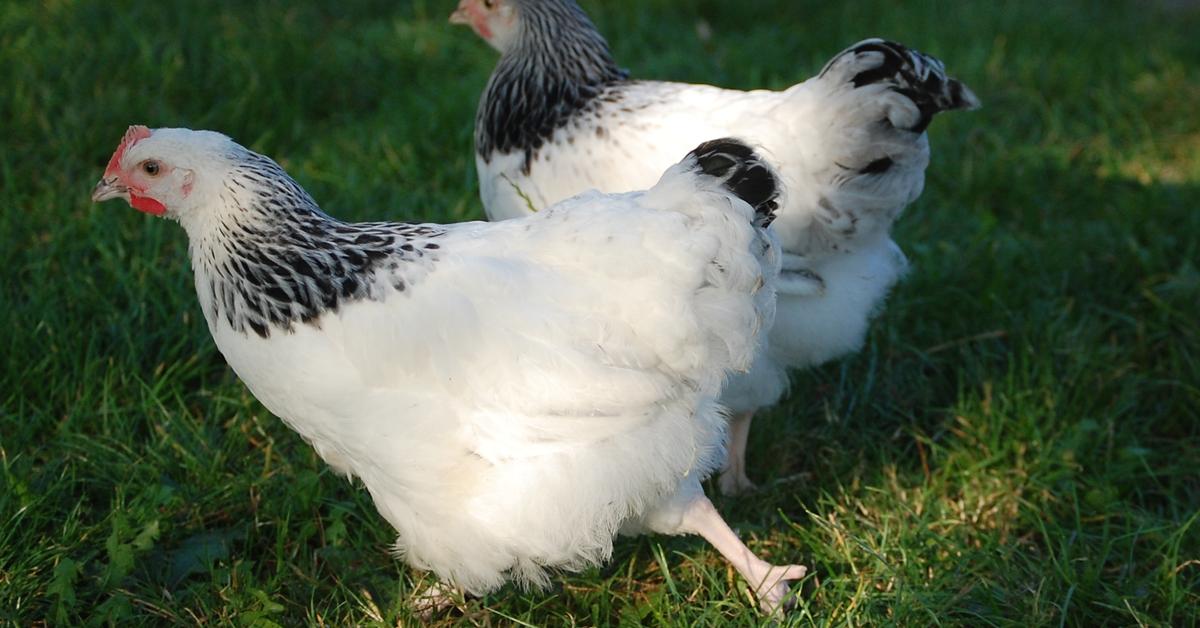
column 277, row 259
column 558, row 64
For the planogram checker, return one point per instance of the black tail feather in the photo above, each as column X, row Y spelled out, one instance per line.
column 743, row 172
column 907, row 71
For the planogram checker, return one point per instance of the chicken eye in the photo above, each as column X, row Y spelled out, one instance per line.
column 488, row 4
column 151, row 167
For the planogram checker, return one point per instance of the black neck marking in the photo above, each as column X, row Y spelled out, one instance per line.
column 557, row 66
column 277, row 259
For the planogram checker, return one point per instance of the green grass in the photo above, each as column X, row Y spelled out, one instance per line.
column 1019, row 444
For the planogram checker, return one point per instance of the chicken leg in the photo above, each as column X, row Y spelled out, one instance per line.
column 434, row 599
column 770, row 582
column 733, row 480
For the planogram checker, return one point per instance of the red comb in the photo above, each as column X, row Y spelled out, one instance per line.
column 132, row 135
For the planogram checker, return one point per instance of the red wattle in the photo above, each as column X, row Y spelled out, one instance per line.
column 147, row 204
column 479, row 21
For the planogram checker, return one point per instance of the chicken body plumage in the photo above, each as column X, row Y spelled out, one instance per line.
column 529, row 391
column 558, row 117
column 831, row 284
column 511, row 394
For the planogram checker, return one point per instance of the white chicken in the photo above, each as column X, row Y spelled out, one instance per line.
column 558, row 117
column 511, row 394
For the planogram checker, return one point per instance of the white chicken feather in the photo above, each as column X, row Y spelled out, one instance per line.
column 558, row 116
column 511, row 394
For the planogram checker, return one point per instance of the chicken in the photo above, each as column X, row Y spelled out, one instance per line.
column 558, row 116
column 512, row 394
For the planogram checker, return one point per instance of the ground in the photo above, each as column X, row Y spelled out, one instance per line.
column 1019, row 443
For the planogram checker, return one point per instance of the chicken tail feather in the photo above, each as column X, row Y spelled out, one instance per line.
column 906, row 71
column 863, row 151
column 742, row 172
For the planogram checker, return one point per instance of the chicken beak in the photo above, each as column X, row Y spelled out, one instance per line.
column 460, row 15
column 109, row 188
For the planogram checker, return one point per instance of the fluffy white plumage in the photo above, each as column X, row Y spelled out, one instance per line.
column 512, row 394
column 849, row 144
